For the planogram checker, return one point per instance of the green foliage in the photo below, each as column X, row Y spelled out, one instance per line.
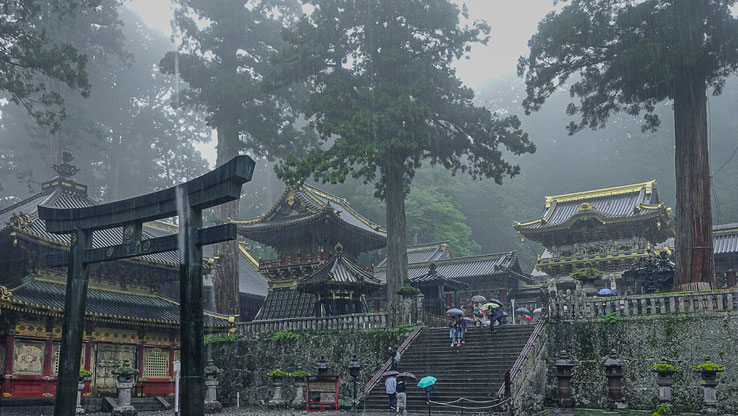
column 298, row 373
column 224, row 63
column 214, row 339
column 664, row 367
column 610, row 318
column 663, row 410
column 707, row 367
column 277, row 373
column 587, row 273
column 280, row 336
column 31, row 58
column 85, row 373
column 408, row 291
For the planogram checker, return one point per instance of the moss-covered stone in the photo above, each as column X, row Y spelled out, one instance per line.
column 642, row 342
column 247, row 360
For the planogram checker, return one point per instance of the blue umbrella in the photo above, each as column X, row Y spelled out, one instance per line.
column 427, row 381
column 454, row 311
column 497, row 301
column 605, row 292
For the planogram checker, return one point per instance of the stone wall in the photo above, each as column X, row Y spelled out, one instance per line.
column 642, row 341
column 246, row 360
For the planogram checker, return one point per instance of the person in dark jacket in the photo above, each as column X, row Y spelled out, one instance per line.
column 453, row 329
column 461, row 324
column 393, row 355
column 401, row 395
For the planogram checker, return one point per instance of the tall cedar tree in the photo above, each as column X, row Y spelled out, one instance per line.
column 384, row 97
column 29, row 58
column 628, row 56
column 226, row 45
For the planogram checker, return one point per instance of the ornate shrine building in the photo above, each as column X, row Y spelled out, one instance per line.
column 126, row 316
column 448, row 281
column 609, row 229
column 317, row 237
column 725, row 246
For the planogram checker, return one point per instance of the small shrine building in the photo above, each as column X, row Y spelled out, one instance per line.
column 725, row 246
column 609, row 229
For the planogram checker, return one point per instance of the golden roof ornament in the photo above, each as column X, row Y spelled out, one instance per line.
column 66, row 170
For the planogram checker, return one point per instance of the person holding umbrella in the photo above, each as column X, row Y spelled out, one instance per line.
column 461, row 329
column 427, row 384
column 478, row 300
column 390, row 386
column 401, row 395
column 453, row 328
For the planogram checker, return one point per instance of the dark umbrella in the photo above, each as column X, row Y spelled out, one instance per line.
column 390, row 373
column 497, row 301
column 478, row 299
column 407, row 375
column 524, row 311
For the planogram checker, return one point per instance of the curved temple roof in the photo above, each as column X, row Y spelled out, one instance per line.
column 308, row 206
column 339, row 272
column 43, row 291
column 459, row 267
column 725, row 239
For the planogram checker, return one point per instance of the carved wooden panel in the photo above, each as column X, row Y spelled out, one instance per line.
column 28, row 357
column 108, row 357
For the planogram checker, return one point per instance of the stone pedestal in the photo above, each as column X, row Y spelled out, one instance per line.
column 709, row 406
column 299, row 401
column 212, row 405
column 124, row 407
column 80, row 386
column 277, row 401
column 664, row 382
column 614, row 373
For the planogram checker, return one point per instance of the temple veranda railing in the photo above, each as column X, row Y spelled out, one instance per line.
column 577, row 305
column 341, row 322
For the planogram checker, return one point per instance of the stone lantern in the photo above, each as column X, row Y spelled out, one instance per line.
column 322, row 367
column 212, row 405
column 125, row 374
column 614, row 373
column 564, row 366
column 709, row 374
column 354, row 368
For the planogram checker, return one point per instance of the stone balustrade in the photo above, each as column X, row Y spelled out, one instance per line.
column 578, row 306
column 342, row 322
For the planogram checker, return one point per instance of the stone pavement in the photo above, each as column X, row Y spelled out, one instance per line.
column 245, row 411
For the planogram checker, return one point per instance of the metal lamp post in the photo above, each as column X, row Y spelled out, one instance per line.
column 354, row 367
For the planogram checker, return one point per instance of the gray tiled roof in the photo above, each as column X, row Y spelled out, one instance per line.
column 423, row 253
column 37, row 293
column 61, row 198
column 287, row 303
column 725, row 238
column 638, row 200
column 460, row 267
column 340, row 270
column 320, row 205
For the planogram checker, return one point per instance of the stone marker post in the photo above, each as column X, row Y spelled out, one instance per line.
column 614, row 373
column 564, row 366
column 709, row 372
column 299, row 400
column 125, row 374
column 80, row 386
column 212, row 405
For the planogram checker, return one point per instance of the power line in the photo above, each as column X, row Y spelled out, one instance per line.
column 726, row 162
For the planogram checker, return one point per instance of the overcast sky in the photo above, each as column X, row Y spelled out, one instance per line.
column 512, row 21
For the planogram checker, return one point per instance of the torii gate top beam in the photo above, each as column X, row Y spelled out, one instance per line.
column 214, row 188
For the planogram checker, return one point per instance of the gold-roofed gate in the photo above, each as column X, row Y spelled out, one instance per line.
column 186, row 201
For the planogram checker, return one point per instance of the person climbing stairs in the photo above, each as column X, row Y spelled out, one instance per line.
column 475, row 371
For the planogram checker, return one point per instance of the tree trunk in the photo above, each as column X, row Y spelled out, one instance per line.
column 396, row 240
column 695, row 263
column 226, row 278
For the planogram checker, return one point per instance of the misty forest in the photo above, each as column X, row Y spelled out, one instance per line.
column 131, row 107
column 250, row 190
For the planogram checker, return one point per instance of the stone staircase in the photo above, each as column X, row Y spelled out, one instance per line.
column 474, row 371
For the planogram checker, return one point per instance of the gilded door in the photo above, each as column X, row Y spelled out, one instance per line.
column 108, row 357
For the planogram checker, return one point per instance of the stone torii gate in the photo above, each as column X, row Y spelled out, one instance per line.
column 186, row 201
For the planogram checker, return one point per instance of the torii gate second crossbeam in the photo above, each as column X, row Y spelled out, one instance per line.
column 187, row 201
